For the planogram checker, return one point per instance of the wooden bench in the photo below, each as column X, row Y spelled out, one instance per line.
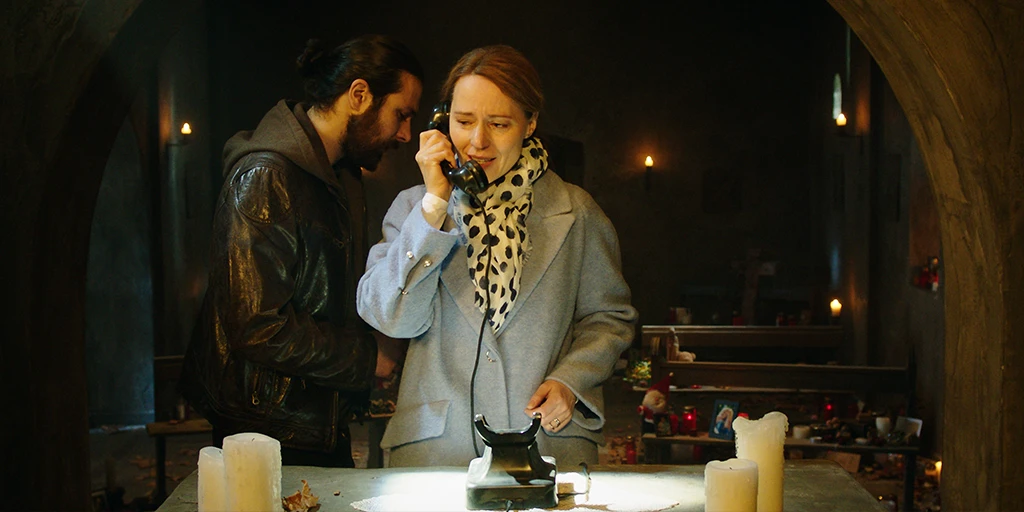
column 159, row 431
column 867, row 381
column 787, row 344
column 809, row 377
column 173, row 417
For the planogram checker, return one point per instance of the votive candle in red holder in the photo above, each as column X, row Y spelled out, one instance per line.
column 688, row 423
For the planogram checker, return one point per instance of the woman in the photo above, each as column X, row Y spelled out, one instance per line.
column 560, row 309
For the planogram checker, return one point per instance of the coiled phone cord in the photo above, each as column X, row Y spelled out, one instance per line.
column 483, row 324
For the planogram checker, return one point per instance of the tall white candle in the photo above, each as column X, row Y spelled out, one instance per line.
column 252, row 463
column 801, row 432
column 213, row 486
column 883, row 425
column 730, row 486
column 762, row 441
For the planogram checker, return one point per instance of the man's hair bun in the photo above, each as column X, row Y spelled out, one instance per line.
column 309, row 60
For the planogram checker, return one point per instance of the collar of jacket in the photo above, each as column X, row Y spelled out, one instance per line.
column 333, row 177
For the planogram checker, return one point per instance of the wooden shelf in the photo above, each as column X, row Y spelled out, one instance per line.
column 702, row 438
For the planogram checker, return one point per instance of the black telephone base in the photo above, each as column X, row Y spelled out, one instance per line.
column 511, row 474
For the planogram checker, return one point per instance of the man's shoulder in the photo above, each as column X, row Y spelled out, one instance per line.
column 268, row 160
column 262, row 185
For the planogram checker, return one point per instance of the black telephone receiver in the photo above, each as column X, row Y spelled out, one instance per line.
column 468, row 176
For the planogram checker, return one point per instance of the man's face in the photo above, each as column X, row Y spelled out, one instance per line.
column 386, row 123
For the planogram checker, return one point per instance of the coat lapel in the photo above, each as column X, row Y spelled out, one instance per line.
column 455, row 278
column 549, row 223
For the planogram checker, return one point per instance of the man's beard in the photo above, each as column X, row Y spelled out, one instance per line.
column 363, row 145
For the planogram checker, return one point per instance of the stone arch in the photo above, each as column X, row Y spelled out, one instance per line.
column 954, row 66
column 51, row 452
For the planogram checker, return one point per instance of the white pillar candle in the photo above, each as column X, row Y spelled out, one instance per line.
column 801, row 432
column 883, row 425
column 213, row 484
column 730, row 486
column 252, row 463
column 762, row 441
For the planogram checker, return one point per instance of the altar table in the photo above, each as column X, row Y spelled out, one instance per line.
column 810, row 486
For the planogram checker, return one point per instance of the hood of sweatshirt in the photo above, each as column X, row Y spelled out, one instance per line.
column 287, row 130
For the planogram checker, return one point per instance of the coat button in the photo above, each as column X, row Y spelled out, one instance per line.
column 408, row 255
column 489, row 358
column 427, row 263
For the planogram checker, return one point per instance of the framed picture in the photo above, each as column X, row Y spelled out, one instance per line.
column 721, row 421
column 909, row 425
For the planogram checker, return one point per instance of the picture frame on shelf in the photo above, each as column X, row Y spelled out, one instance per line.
column 909, row 426
column 725, row 412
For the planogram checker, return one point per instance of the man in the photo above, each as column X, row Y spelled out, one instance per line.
column 278, row 347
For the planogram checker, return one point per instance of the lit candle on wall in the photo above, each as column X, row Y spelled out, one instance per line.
column 648, row 164
column 252, row 464
column 213, row 484
column 762, row 441
column 836, row 307
column 730, row 485
column 186, row 135
column 841, row 119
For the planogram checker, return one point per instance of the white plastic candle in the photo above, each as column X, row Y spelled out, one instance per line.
column 213, row 486
column 762, row 441
column 883, row 425
column 801, row 432
column 252, row 463
column 730, row 486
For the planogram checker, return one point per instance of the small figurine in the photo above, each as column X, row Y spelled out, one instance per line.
column 617, row 450
column 655, row 404
column 631, row 457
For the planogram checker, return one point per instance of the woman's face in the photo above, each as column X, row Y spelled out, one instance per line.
column 488, row 126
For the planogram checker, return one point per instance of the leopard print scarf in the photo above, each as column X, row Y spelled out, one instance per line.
column 507, row 201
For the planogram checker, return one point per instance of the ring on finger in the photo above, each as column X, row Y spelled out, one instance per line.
column 556, row 422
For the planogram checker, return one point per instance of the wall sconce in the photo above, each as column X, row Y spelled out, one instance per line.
column 185, row 138
column 841, row 125
column 648, row 163
column 836, row 308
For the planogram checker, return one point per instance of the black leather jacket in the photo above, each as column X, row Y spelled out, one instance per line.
column 278, row 347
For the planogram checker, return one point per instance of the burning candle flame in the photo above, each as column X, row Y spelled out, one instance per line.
column 836, row 307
